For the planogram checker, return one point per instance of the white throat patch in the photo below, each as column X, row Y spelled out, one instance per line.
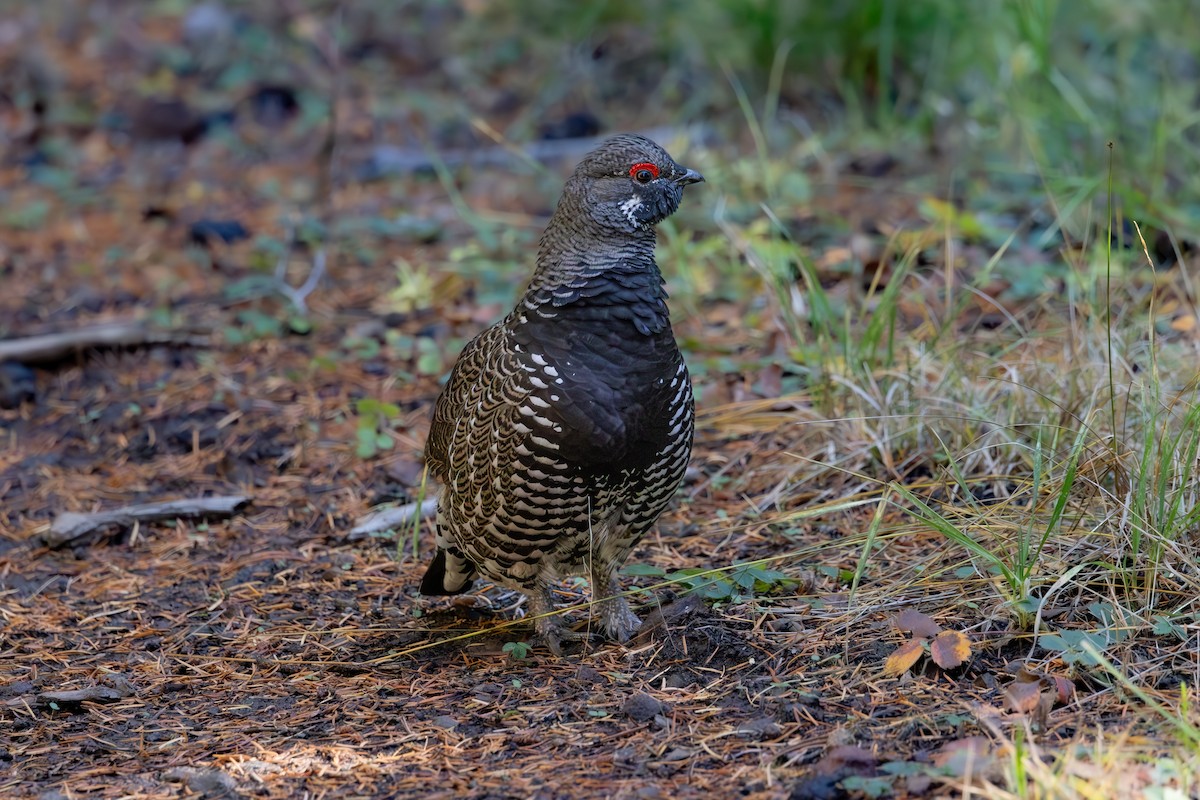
column 629, row 207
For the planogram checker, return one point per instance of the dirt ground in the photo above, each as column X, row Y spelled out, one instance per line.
column 270, row 653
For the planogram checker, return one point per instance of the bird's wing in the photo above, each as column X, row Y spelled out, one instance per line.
column 604, row 395
column 461, row 398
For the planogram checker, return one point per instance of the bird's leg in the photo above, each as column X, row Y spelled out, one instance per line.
column 618, row 620
column 548, row 624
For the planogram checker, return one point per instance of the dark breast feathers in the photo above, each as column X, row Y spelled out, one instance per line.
column 550, row 429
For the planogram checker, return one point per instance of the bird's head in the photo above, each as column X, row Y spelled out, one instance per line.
column 629, row 183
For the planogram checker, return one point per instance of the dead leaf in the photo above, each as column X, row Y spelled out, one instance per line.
column 903, row 657
column 841, row 757
column 770, row 380
column 918, row 624
column 962, row 757
column 1184, row 323
column 1023, row 696
column 405, row 471
column 833, row 258
column 1022, row 672
column 1065, row 689
column 950, row 649
column 918, row 785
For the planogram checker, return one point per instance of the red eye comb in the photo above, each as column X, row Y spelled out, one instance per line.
column 645, row 165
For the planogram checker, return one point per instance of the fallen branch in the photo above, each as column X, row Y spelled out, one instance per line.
column 384, row 160
column 56, row 346
column 393, row 517
column 71, row 525
column 117, row 688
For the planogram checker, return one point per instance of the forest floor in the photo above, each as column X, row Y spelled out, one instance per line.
column 270, row 653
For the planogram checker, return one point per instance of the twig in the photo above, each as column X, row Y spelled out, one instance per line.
column 298, row 296
column 51, row 347
column 328, row 47
column 393, row 517
column 70, row 525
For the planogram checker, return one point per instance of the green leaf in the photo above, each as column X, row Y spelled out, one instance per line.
column 647, row 570
column 366, row 447
column 1052, row 641
column 1164, row 626
column 516, row 650
column 429, row 363
column 871, row 787
column 904, row 768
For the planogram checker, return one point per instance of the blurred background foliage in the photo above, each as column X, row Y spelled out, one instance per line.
column 904, row 123
column 1033, row 86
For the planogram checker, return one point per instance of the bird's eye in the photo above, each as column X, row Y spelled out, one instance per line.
column 644, row 172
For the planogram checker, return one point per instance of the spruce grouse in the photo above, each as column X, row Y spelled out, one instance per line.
column 566, row 427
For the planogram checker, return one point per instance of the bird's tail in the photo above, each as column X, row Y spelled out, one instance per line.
column 448, row 573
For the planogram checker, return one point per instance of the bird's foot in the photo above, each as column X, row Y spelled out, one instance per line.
column 618, row 620
column 554, row 634
column 548, row 624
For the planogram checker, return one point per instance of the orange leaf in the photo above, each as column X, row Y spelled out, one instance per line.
column 950, row 649
column 903, row 657
column 1023, row 697
column 1066, row 690
column 917, row 623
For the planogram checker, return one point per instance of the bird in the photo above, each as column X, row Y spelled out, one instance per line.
column 565, row 428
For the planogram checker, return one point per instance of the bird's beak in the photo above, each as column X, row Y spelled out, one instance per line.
column 690, row 176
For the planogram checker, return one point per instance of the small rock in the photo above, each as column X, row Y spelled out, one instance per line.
column 17, row 384
column 643, row 708
column 17, row 688
column 446, row 721
column 204, row 231
column 678, row 754
column 587, row 675
column 759, row 728
column 678, row 680
column 207, row 782
column 205, row 23
column 816, row 787
column 158, row 119
column 273, row 104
